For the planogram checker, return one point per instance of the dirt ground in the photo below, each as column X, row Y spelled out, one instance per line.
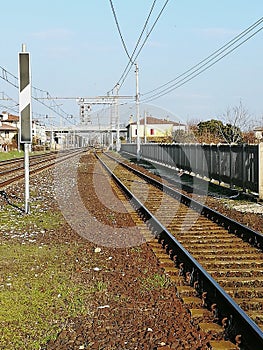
column 135, row 305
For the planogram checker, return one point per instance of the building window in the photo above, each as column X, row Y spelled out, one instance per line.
column 151, row 131
column 136, row 132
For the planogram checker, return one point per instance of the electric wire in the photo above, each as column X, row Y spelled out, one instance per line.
column 119, row 30
column 138, row 41
column 8, row 108
column 9, row 77
column 131, row 60
column 55, row 108
column 146, row 38
column 5, row 97
column 227, row 45
column 203, row 67
column 13, row 80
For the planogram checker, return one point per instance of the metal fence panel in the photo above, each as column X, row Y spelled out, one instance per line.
column 236, row 165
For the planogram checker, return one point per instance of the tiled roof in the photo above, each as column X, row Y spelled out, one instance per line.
column 12, row 118
column 6, row 127
column 153, row 120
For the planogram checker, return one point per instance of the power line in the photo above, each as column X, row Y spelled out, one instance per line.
column 5, row 97
column 13, row 80
column 146, row 38
column 131, row 60
column 203, row 67
column 220, row 50
column 53, row 104
column 119, row 30
column 138, row 41
column 13, row 109
column 9, row 77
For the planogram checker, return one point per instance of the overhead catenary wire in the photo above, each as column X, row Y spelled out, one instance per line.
column 119, row 30
column 8, row 108
column 13, row 80
column 55, row 108
column 175, row 86
column 137, row 44
column 228, row 44
column 131, row 58
column 203, row 66
column 6, row 97
column 146, row 38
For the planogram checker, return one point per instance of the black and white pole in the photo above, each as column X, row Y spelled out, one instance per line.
column 137, row 113
column 25, row 113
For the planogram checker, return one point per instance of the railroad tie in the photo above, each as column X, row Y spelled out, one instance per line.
column 191, row 301
column 198, row 315
column 185, row 291
column 222, row 345
column 210, row 327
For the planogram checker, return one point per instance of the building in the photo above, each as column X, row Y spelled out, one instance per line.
column 39, row 136
column 259, row 133
column 153, row 129
column 8, row 131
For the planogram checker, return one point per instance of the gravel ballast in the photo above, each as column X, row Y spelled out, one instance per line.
column 130, row 302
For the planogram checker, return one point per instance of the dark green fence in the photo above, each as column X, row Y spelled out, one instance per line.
column 236, row 165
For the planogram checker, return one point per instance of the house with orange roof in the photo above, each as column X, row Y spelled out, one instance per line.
column 8, row 131
column 152, row 129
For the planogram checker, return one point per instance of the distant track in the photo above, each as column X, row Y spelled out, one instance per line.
column 13, row 170
column 216, row 257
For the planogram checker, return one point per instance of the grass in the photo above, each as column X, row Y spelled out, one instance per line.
column 16, row 154
column 40, row 285
column 155, row 281
column 13, row 218
column 37, row 294
column 11, row 155
column 46, row 220
column 99, row 286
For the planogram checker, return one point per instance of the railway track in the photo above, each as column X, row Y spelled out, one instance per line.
column 215, row 262
column 13, row 170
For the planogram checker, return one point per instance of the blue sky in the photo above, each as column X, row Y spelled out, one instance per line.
column 76, row 51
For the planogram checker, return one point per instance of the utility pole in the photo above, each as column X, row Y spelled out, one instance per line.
column 118, row 146
column 260, row 167
column 112, row 125
column 137, row 112
column 51, row 125
column 145, row 130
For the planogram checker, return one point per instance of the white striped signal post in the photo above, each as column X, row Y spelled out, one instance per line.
column 25, row 134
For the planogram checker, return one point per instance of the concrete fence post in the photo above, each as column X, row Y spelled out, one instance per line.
column 260, row 169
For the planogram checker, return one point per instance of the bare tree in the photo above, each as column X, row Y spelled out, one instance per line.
column 237, row 120
column 238, row 116
column 259, row 123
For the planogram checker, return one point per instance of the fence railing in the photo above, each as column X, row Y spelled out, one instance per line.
column 236, row 165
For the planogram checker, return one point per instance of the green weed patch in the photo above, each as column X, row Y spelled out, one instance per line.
column 38, row 293
column 155, row 281
column 12, row 218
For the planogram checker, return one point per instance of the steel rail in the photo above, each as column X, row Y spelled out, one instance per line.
column 213, row 188
column 53, row 161
column 238, row 322
column 20, row 159
column 247, row 234
column 43, row 159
